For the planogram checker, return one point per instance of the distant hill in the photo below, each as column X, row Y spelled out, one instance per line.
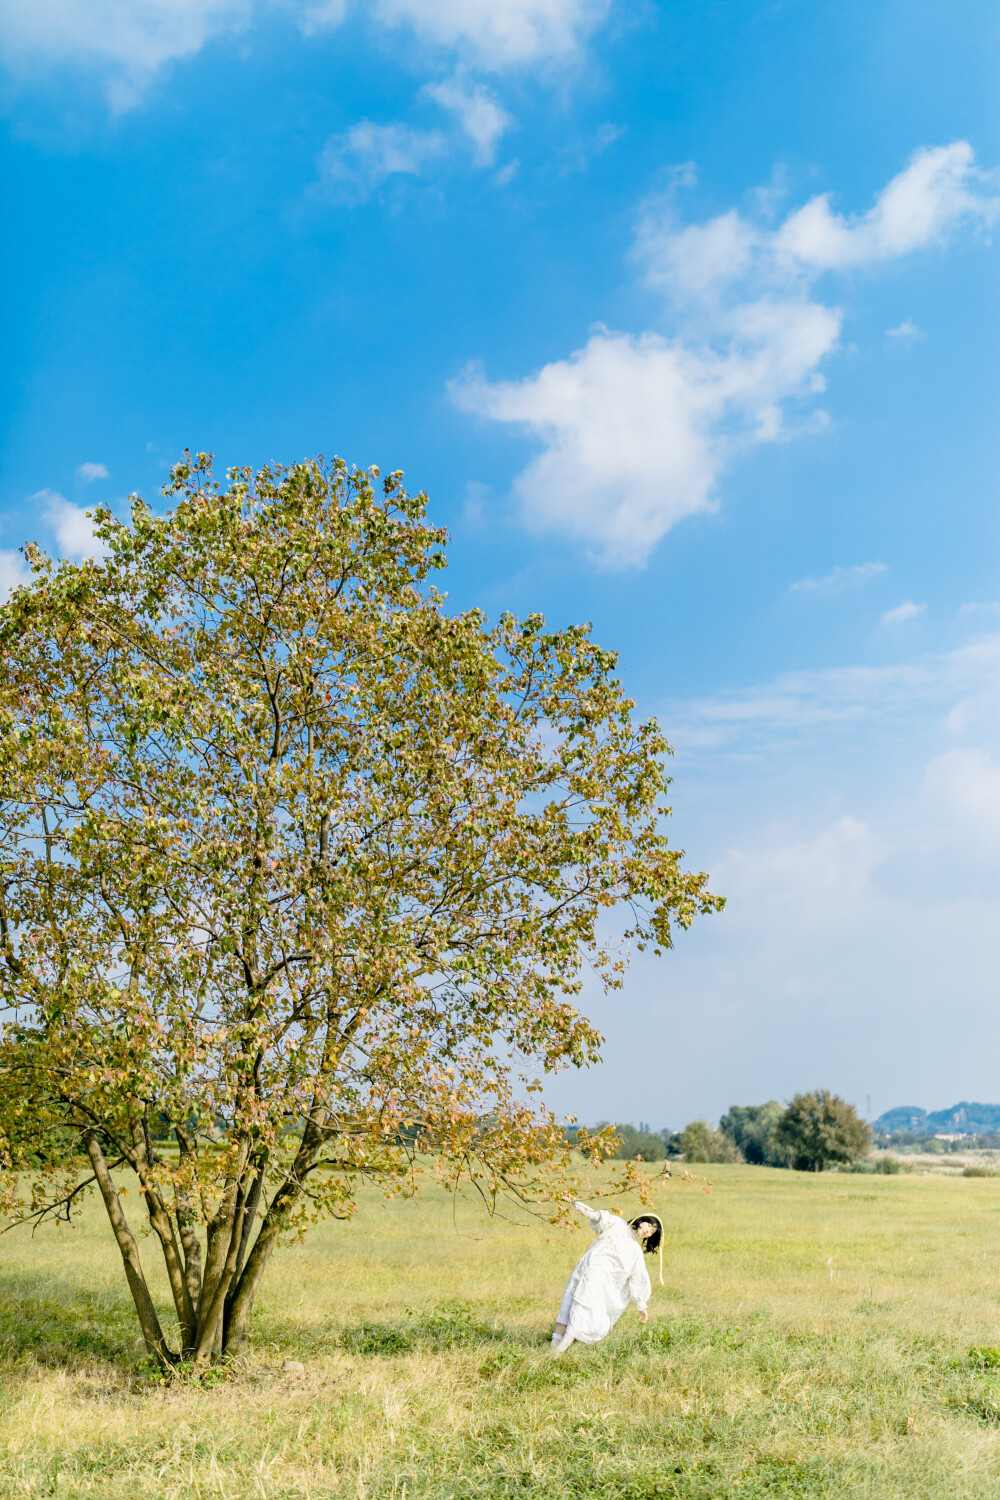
column 960, row 1119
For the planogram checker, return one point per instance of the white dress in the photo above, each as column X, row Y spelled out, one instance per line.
column 606, row 1278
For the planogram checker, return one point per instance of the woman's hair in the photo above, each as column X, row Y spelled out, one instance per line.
column 652, row 1242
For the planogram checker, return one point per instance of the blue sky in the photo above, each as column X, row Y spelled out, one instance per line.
column 686, row 316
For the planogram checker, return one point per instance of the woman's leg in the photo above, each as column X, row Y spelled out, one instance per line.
column 558, row 1332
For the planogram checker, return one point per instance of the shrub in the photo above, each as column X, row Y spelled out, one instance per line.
column 888, row 1166
column 980, row 1171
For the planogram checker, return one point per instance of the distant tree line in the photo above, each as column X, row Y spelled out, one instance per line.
column 815, row 1130
column 932, row 1145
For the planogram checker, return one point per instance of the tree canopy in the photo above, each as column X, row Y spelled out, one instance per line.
column 819, row 1128
column 751, row 1128
column 699, row 1142
column 298, row 873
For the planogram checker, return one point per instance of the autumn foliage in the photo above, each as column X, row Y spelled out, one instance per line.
column 298, row 874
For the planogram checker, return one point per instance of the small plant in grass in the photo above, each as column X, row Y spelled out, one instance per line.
column 377, row 1338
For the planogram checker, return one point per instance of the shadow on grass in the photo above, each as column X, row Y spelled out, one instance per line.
column 59, row 1323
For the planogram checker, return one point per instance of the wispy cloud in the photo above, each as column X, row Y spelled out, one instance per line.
column 636, row 430
column 506, row 173
column 802, row 707
column 839, row 579
column 356, row 162
column 479, row 114
column 127, row 43
column 497, row 34
column 904, row 333
column 988, row 606
column 903, row 612
column 89, row 472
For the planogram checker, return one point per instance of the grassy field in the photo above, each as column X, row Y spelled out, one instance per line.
column 813, row 1338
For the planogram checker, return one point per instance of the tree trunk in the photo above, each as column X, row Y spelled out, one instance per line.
column 241, row 1294
column 156, row 1344
column 210, row 1321
column 241, row 1302
column 192, row 1249
column 249, row 1218
column 224, row 1237
column 242, row 1299
column 163, row 1227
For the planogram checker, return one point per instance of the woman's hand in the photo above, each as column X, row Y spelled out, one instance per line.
column 644, row 1314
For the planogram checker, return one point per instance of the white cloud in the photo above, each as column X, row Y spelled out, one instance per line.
column 479, row 115
column 939, row 189
column 904, row 333
column 636, row 430
column 356, row 162
column 89, row 472
column 903, row 612
column 839, row 579
column 965, row 785
column 70, row 524
column 621, row 415
column 126, row 41
column 14, row 572
column 359, row 160
column 496, row 34
column 320, row 15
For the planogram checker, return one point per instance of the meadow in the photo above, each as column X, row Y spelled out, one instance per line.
column 816, row 1335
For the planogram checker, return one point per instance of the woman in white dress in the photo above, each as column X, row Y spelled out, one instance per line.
column 607, row 1277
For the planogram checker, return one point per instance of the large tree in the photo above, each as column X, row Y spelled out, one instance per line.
column 298, row 873
column 751, row 1128
column 819, row 1128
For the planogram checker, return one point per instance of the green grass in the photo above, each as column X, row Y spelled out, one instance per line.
column 817, row 1336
